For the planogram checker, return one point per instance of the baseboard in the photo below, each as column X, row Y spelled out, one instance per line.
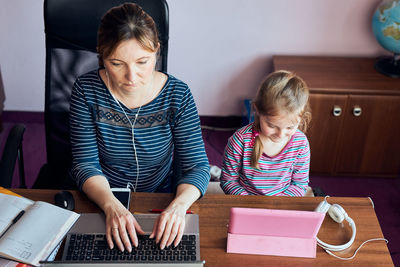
column 222, row 121
column 22, row 116
column 38, row 117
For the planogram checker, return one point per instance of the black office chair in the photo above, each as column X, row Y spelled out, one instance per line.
column 13, row 151
column 71, row 37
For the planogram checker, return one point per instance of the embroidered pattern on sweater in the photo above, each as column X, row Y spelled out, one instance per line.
column 113, row 117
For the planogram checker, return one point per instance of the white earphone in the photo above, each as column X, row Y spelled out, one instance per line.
column 129, row 185
column 338, row 214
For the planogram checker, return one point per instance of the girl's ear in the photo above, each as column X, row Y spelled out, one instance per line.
column 253, row 107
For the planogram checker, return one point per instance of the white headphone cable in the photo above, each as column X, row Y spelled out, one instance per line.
column 132, row 127
column 355, row 253
column 329, row 248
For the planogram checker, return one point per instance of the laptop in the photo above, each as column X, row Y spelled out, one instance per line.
column 274, row 232
column 85, row 245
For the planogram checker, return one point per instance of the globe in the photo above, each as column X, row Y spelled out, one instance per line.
column 386, row 28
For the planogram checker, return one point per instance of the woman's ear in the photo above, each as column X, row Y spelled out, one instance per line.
column 158, row 53
column 158, row 49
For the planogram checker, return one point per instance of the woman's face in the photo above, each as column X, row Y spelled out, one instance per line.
column 130, row 67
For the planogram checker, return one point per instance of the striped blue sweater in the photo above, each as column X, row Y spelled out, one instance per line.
column 101, row 137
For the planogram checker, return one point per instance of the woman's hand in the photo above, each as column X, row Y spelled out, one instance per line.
column 169, row 226
column 121, row 226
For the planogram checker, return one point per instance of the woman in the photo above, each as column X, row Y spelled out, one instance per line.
column 126, row 120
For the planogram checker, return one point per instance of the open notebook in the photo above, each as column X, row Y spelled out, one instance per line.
column 88, row 234
column 31, row 230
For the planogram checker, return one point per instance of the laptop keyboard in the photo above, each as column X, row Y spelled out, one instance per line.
column 94, row 248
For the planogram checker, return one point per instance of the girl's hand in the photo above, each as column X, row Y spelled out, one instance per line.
column 121, row 226
column 169, row 226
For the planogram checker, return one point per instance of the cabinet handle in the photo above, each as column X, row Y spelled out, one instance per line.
column 357, row 111
column 337, row 111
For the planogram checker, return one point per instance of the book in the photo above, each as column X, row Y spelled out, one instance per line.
column 10, row 263
column 29, row 230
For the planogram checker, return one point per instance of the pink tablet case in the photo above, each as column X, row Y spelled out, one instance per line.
column 273, row 232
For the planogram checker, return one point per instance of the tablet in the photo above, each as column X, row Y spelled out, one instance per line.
column 274, row 222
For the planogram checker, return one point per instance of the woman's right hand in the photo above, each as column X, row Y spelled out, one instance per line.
column 121, row 226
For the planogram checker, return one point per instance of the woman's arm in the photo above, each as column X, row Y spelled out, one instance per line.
column 119, row 221
column 189, row 144
column 85, row 155
column 88, row 174
column 232, row 166
column 189, row 147
column 170, row 225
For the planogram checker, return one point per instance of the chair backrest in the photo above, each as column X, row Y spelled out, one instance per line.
column 71, row 37
column 12, row 151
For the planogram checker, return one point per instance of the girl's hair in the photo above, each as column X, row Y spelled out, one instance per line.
column 122, row 23
column 280, row 91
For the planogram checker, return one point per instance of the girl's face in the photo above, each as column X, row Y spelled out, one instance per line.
column 130, row 67
column 279, row 128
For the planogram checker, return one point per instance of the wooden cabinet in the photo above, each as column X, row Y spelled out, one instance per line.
column 355, row 129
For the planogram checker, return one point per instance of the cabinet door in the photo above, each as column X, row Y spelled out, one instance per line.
column 370, row 138
column 324, row 131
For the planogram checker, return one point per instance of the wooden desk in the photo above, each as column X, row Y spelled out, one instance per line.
column 214, row 217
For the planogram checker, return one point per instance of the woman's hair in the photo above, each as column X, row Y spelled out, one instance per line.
column 281, row 91
column 122, row 23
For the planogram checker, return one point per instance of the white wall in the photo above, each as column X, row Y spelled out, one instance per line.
column 22, row 54
column 221, row 48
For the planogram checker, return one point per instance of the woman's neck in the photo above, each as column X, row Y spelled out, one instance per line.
column 132, row 99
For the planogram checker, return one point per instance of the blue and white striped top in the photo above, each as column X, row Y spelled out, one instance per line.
column 101, row 137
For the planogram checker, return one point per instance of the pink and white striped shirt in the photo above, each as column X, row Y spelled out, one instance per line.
column 286, row 174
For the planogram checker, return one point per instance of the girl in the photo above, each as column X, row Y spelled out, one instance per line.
column 271, row 156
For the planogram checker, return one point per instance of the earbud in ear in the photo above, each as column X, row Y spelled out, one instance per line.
column 337, row 213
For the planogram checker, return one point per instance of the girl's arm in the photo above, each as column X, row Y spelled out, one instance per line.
column 232, row 166
column 300, row 175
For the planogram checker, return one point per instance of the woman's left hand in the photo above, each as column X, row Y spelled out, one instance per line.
column 169, row 226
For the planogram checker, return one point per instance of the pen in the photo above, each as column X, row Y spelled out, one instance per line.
column 19, row 215
column 161, row 210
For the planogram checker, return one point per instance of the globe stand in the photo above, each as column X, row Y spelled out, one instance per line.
column 389, row 66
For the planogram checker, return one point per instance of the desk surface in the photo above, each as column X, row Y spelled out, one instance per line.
column 214, row 210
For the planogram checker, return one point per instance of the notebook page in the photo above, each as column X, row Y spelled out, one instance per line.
column 37, row 233
column 10, row 206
